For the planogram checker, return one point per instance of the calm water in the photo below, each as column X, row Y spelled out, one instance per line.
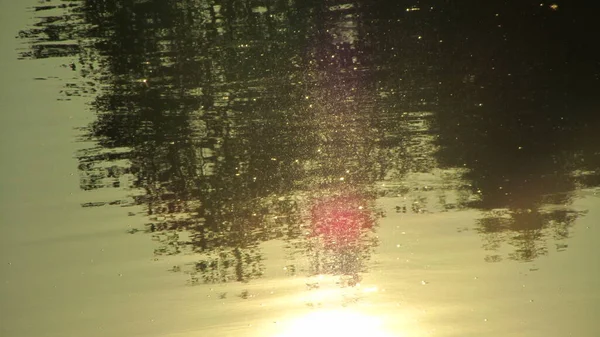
column 292, row 168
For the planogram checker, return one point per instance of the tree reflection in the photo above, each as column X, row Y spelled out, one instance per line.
column 243, row 122
column 510, row 120
column 526, row 230
column 204, row 107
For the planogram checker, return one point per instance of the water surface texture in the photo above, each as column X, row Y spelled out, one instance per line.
column 299, row 168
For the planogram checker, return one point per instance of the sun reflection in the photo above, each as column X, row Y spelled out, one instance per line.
column 337, row 323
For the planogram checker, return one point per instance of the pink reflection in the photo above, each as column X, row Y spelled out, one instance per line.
column 339, row 239
column 340, row 221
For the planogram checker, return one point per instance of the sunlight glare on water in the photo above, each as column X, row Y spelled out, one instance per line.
column 337, row 323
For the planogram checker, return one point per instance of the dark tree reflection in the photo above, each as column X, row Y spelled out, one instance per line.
column 512, row 114
column 526, row 230
column 243, row 122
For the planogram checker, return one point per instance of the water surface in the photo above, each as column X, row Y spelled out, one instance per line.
column 292, row 168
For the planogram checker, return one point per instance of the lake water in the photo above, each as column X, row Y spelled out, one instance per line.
column 299, row 168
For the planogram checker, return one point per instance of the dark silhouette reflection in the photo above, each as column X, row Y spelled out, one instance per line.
column 511, row 117
column 526, row 230
column 224, row 137
column 54, row 35
column 240, row 122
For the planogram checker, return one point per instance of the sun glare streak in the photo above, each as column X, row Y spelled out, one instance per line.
column 337, row 323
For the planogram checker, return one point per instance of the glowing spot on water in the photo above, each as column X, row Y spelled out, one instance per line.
column 371, row 290
column 336, row 323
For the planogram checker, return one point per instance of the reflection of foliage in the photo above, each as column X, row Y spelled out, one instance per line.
column 229, row 115
column 215, row 267
column 510, row 119
column 56, row 35
column 526, row 230
column 217, row 143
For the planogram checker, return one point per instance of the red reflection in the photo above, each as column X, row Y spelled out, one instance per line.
column 340, row 221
